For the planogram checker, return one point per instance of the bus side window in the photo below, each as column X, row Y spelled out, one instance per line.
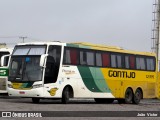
column 119, row 61
column 70, row 57
column 98, row 59
column 87, row 58
column 74, row 57
column 113, row 61
column 83, row 58
column 106, row 59
column 127, row 62
column 66, row 57
column 140, row 63
column 132, row 61
column 116, row 60
column 90, row 58
column 150, row 64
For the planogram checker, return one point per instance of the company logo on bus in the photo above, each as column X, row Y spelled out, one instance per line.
column 53, row 91
column 3, row 72
column 121, row 74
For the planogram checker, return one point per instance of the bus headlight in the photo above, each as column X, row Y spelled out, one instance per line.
column 37, row 86
column 10, row 86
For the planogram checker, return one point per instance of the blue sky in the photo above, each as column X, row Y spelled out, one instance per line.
column 124, row 23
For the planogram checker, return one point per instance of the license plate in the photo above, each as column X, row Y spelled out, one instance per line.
column 21, row 92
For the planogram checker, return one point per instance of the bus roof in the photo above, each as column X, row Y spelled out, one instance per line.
column 41, row 43
column 110, row 48
column 90, row 46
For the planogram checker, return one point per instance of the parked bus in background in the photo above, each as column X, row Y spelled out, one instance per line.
column 4, row 70
column 81, row 70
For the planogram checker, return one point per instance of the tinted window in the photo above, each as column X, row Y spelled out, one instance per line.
column 132, row 61
column 127, row 62
column 55, row 52
column 87, row 58
column 83, row 58
column 52, row 64
column 140, row 63
column 70, row 56
column 78, row 56
column 98, row 59
column 116, row 61
column 119, row 61
column 113, row 61
column 90, row 58
column 106, row 59
column 150, row 64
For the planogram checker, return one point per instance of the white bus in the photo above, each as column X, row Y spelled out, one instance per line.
column 4, row 69
column 81, row 70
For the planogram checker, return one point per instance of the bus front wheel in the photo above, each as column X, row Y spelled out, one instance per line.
column 65, row 96
column 35, row 100
column 128, row 96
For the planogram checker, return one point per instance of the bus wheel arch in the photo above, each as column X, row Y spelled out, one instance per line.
column 138, row 95
column 128, row 97
column 67, row 93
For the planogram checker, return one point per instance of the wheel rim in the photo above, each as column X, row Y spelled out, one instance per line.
column 128, row 96
column 137, row 96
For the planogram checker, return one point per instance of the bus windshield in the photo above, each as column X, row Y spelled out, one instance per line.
column 24, row 64
column 25, row 69
column 29, row 50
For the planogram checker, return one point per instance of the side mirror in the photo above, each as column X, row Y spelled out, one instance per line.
column 43, row 59
column 5, row 60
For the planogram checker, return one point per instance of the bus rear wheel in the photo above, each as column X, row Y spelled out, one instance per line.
column 65, row 96
column 128, row 96
column 35, row 100
column 137, row 96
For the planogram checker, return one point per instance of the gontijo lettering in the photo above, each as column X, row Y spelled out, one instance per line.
column 121, row 74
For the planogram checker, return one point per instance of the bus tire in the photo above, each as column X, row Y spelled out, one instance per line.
column 137, row 97
column 65, row 95
column 128, row 96
column 35, row 100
